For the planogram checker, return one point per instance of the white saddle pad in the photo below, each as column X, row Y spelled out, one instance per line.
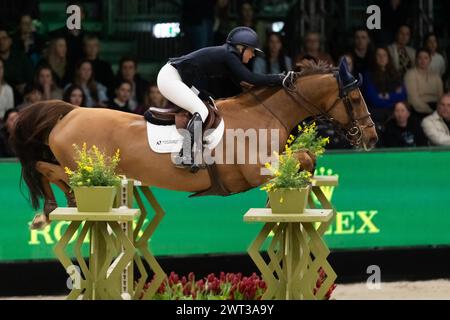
column 167, row 139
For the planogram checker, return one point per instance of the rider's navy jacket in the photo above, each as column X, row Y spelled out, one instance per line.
column 218, row 62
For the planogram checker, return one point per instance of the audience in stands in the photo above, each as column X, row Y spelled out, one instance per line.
column 102, row 69
column 402, row 55
column 34, row 69
column 275, row 60
column 122, row 97
column 44, row 78
column 362, row 51
column 383, row 87
column 403, row 129
column 17, row 67
column 437, row 125
column 6, row 92
column 6, row 128
column 312, row 47
column 33, row 93
column 95, row 92
column 438, row 64
column 74, row 94
column 128, row 70
column 424, row 86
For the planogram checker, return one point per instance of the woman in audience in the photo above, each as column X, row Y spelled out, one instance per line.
column 425, row 87
column 6, row 92
column 403, row 129
column 57, row 60
column 383, row 87
column 122, row 97
column 44, row 78
column 275, row 61
column 28, row 40
column 152, row 98
column 94, row 91
column 74, row 94
column 437, row 64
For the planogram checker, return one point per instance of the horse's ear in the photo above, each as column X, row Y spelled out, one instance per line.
column 344, row 73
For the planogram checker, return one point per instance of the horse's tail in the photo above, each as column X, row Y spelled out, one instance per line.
column 29, row 141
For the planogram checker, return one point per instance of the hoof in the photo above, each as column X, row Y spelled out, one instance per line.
column 40, row 222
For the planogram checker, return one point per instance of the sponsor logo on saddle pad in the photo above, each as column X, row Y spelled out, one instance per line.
column 169, row 139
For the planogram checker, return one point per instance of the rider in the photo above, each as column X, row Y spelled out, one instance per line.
column 177, row 77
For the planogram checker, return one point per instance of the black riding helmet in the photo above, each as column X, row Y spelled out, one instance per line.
column 244, row 36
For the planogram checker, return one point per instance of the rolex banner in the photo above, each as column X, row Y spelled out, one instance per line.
column 384, row 199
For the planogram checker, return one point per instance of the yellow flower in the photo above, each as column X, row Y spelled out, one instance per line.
column 68, row 171
column 80, row 183
column 89, row 169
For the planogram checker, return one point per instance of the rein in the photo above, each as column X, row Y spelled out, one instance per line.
column 354, row 132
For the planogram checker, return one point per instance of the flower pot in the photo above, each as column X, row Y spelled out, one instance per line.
column 289, row 200
column 95, row 199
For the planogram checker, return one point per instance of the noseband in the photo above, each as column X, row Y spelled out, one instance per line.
column 354, row 132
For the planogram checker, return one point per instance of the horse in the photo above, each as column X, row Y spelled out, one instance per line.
column 45, row 132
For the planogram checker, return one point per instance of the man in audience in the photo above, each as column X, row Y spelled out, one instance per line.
column 312, row 48
column 17, row 67
column 437, row 125
column 362, row 52
column 102, row 69
column 402, row 55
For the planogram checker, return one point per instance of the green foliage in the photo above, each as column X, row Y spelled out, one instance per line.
column 94, row 168
column 309, row 140
column 288, row 175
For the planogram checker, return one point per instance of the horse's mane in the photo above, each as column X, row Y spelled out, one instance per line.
column 310, row 68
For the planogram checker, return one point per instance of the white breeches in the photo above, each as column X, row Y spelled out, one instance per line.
column 176, row 91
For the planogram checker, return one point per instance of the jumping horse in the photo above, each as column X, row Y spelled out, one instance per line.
column 46, row 131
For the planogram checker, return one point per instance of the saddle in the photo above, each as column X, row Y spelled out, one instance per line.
column 174, row 114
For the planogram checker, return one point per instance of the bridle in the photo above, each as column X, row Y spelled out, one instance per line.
column 354, row 132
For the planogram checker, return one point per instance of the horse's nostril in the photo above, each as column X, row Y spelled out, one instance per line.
column 373, row 141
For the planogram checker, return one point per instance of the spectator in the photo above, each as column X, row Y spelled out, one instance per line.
column 437, row 125
column 198, row 23
column 395, row 13
column 362, row 51
column 57, row 60
column 383, row 87
column 122, row 97
column 6, row 93
column 94, row 91
column 222, row 24
column 403, row 129
column 44, row 78
column 424, row 87
column 247, row 18
column 437, row 64
column 102, row 69
column 74, row 94
column 5, row 132
column 17, row 68
column 128, row 71
column 32, row 94
column 27, row 40
column 312, row 48
column 275, row 61
column 402, row 55
column 74, row 38
column 153, row 98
